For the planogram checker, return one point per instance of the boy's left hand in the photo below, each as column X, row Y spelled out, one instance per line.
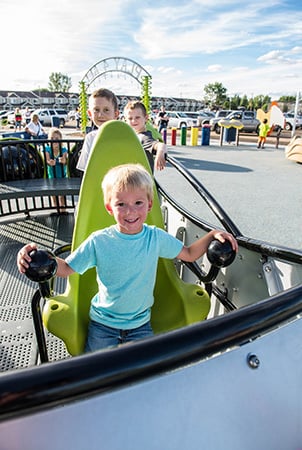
column 160, row 161
column 222, row 236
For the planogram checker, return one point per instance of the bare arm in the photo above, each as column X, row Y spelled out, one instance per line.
column 160, row 160
column 49, row 160
column 199, row 247
column 63, row 158
column 23, row 260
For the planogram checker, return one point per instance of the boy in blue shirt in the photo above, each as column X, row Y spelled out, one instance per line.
column 125, row 256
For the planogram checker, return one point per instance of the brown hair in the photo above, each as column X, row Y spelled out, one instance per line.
column 106, row 93
column 136, row 104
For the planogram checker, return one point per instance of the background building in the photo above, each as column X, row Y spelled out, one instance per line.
column 9, row 100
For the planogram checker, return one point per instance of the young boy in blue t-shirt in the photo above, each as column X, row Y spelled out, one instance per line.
column 125, row 256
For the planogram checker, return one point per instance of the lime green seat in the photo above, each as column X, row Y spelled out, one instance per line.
column 176, row 302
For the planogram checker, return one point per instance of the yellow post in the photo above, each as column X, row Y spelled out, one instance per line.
column 194, row 136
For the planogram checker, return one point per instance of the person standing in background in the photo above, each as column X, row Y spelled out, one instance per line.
column 18, row 119
column 263, row 132
column 163, row 119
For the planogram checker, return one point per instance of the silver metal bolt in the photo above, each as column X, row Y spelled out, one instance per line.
column 253, row 361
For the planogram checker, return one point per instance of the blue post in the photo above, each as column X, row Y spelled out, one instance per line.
column 205, row 134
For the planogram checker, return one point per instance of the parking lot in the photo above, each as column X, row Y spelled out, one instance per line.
column 70, row 130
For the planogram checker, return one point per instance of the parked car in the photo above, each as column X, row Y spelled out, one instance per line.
column 46, row 115
column 192, row 114
column 289, row 121
column 11, row 117
column 204, row 117
column 247, row 118
column 7, row 116
column 218, row 116
column 178, row 119
column 72, row 114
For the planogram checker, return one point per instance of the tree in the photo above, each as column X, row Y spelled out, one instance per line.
column 287, row 98
column 244, row 102
column 215, row 94
column 59, row 82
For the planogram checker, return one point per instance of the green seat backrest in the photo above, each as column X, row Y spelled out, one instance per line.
column 176, row 303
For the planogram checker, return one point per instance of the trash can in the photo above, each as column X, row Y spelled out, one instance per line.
column 55, row 121
column 205, row 133
column 230, row 134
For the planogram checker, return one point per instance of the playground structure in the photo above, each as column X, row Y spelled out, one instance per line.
column 108, row 65
column 240, row 368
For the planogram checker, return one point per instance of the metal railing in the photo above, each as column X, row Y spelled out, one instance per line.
column 24, row 182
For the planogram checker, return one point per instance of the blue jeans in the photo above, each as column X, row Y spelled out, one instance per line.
column 100, row 336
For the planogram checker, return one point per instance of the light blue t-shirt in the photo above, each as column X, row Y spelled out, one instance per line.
column 126, row 267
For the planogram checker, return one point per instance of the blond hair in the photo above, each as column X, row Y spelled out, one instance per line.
column 34, row 116
column 126, row 177
column 54, row 131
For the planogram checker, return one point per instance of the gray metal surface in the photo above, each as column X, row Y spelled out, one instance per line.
column 18, row 348
column 216, row 404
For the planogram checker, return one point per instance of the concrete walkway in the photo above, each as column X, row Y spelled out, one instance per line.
column 259, row 189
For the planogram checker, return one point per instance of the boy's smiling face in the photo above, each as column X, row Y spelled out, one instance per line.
column 101, row 110
column 136, row 119
column 129, row 209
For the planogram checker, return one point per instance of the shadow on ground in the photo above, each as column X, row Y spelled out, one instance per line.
column 214, row 166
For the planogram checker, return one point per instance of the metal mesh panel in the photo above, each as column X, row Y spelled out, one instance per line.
column 17, row 354
column 18, row 347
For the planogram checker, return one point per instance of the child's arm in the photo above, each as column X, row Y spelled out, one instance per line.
column 63, row 158
column 49, row 161
column 160, row 158
column 199, row 247
column 23, row 260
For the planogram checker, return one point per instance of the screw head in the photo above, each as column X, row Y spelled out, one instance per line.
column 253, row 361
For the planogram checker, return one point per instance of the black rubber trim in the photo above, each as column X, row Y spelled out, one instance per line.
column 51, row 384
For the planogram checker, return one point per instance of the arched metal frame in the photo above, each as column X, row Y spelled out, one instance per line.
column 115, row 64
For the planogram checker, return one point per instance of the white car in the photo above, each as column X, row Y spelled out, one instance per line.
column 46, row 116
column 179, row 119
column 9, row 116
column 289, row 121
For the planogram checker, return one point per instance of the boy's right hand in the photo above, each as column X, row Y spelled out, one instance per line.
column 23, row 258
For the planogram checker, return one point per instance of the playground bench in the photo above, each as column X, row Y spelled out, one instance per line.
column 24, row 196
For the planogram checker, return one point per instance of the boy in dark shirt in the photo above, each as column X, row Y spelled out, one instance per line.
column 136, row 116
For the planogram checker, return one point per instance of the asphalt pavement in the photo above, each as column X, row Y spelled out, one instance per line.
column 259, row 189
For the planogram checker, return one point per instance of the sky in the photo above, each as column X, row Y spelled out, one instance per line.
column 251, row 48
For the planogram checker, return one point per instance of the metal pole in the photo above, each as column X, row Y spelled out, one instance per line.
column 296, row 112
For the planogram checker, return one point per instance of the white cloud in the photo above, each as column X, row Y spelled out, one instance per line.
column 215, row 68
column 277, row 57
column 254, row 47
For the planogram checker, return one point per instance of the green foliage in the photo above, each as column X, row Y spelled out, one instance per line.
column 244, row 102
column 216, row 97
column 215, row 94
column 287, row 99
column 59, row 82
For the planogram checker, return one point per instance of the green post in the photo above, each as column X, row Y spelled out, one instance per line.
column 183, row 136
column 146, row 92
column 83, row 106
